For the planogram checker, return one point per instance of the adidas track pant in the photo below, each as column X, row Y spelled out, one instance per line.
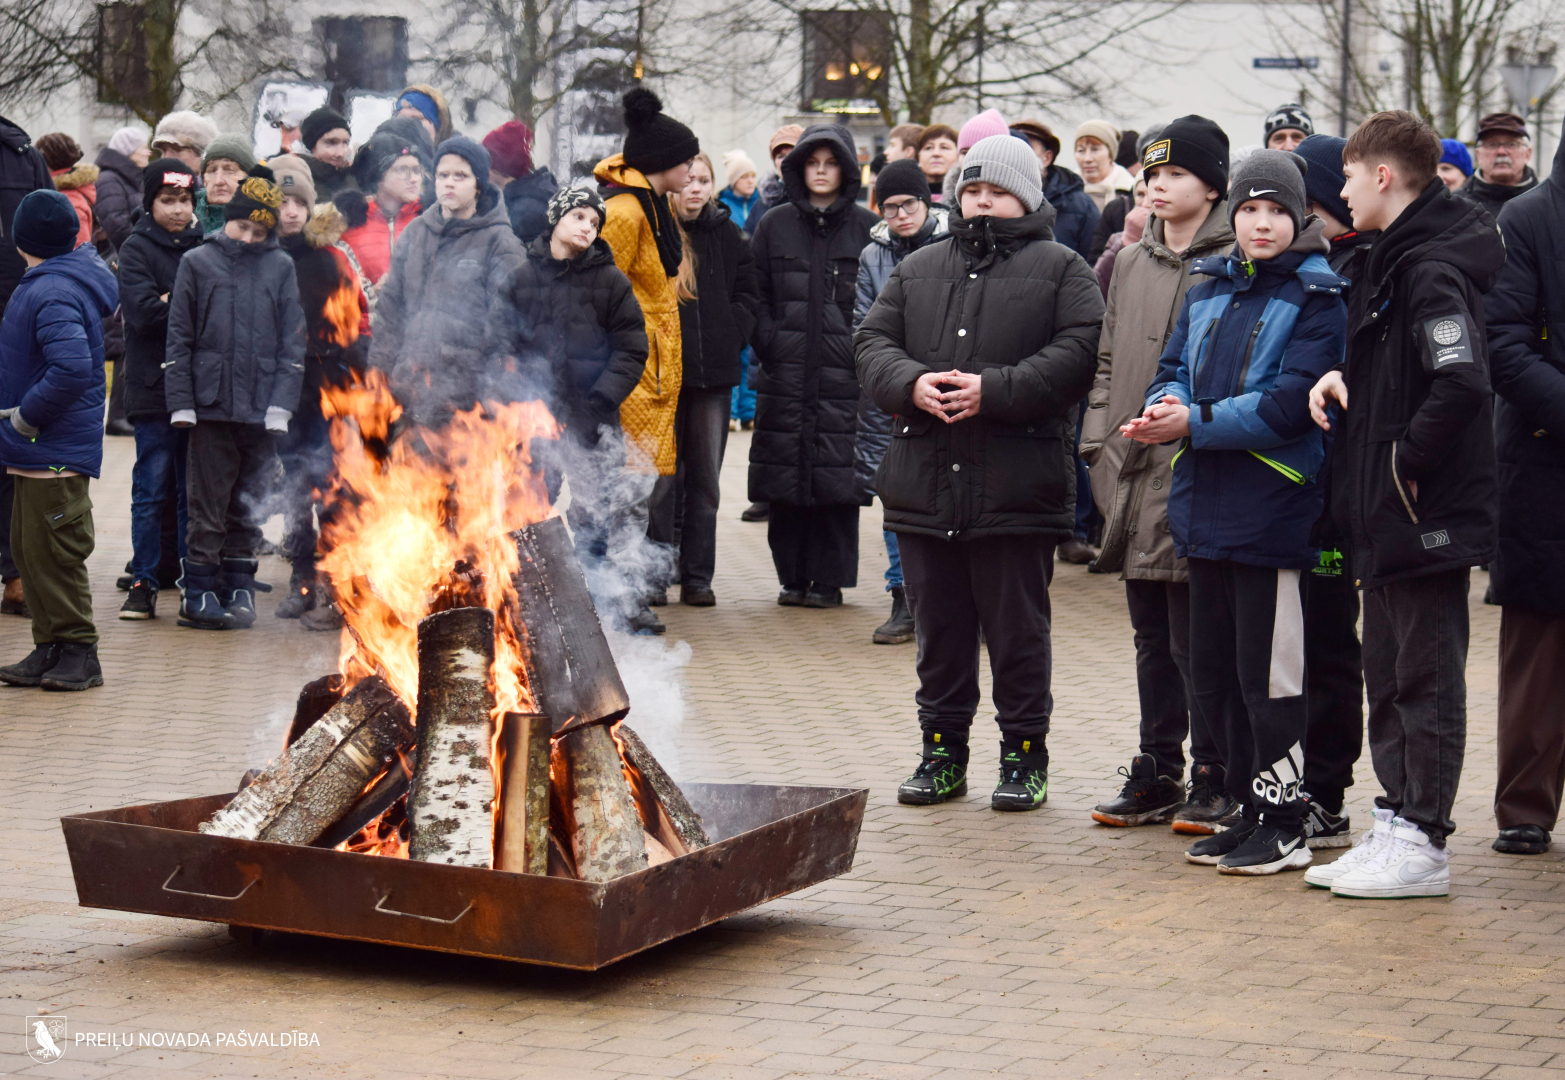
column 1247, row 667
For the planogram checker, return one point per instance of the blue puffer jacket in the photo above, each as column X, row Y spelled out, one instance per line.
column 1249, row 345
column 51, row 363
column 1075, row 214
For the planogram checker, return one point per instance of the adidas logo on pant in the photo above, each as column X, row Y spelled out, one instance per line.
column 1280, row 783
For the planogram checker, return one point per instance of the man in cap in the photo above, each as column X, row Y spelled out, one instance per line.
column 1287, row 126
column 1503, row 172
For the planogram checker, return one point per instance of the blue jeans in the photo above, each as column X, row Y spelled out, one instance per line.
column 894, row 571
column 742, row 407
column 159, row 473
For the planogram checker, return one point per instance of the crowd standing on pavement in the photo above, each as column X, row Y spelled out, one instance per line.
column 1291, row 399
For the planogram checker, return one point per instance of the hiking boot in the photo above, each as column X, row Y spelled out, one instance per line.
column 1024, row 777
column 1076, row 551
column 29, row 671
column 756, row 511
column 1267, row 850
column 1323, row 829
column 199, row 606
column 236, row 590
column 14, row 602
column 1210, row 850
column 1365, row 848
column 1407, row 864
column 321, row 617
column 658, row 596
column 645, row 622
column 76, row 669
column 697, row 596
column 823, row 596
column 1208, row 808
column 941, row 774
column 302, row 593
column 141, row 602
column 1145, row 798
column 1522, row 840
column 898, row 628
column 791, row 596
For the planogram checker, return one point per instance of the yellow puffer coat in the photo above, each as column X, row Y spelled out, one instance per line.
column 648, row 414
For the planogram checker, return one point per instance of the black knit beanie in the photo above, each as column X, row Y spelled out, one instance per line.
column 380, row 153
column 318, row 123
column 1194, row 143
column 165, row 172
column 257, row 199
column 901, row 177
column 653, row 141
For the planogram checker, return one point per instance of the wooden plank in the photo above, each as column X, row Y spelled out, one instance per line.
column 607, row 839
column 451, row 800
column 522, row 762
column 321, row 775
column 678, row 814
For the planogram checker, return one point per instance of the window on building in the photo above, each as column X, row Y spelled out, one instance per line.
column 846, row 59
column 363, row 52
column 121, row 46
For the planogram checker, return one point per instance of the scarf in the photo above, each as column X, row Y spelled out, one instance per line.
column 664, row 229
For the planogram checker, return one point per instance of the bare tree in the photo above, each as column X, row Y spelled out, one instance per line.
column 143, row 55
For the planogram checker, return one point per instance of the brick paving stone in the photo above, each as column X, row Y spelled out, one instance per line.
column 963, row 943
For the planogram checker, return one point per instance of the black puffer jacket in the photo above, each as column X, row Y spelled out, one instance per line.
column 1493, row 197
column 1526, row 314
column 807, row 394
column 329, row 179
column 119, row 195
column 333, row 352
column 22, row 169
column 1418, row 396
column 578, row 333
column 149, row 264
column 715, row 328
column 1003, row 300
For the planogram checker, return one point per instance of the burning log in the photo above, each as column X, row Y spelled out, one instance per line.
column 316, row 779
column 315, row 701
column 392, row 785
column 669, row 818
column 569, row 666
column 452, row 797
column 606, row 836
column 522, row 762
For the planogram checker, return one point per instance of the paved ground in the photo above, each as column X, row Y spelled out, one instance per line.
column 963, row 943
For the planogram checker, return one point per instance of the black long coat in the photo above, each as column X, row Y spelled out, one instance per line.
column 1526, row 313
column 716, row 326
column 807, row 393
column 149, row 263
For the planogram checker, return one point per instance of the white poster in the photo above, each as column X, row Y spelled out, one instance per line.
column 367, row 110
column 285, row 103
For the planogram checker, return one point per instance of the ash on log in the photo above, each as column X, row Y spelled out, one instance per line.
column 670, row 818
column 321, row 775
column 606, row 836
column 450, row 803
column 522, row 762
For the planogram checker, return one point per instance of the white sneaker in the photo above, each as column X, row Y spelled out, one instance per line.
column 1365, row 848
column 1407, row 865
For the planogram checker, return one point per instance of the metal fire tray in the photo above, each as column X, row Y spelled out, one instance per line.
column 767, row 841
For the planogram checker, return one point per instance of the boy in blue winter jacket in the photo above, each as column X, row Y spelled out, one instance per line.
column 51, row 435
column 1234, row 384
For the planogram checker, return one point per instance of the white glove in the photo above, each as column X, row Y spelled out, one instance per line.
column 183, row 418
column 277, row 419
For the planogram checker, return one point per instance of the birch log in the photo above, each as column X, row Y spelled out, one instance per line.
column 676, row 810
column 522, row 762
column 450, row 803
column 606, row 835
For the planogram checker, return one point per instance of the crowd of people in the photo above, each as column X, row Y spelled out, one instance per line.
column 1259, row 385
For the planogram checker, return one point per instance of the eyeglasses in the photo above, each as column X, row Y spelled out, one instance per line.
column 406, row 172
column 896, row 210
column 1497, row 144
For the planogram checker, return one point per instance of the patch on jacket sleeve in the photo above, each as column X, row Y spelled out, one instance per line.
column 1450, row 340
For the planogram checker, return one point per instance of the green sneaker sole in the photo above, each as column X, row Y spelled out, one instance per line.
column 919, row 797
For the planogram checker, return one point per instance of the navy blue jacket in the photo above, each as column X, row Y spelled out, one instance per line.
column 51, row 363
column 1075, row 214
column 1249, row 345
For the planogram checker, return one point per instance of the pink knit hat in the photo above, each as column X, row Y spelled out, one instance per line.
column 987, row 123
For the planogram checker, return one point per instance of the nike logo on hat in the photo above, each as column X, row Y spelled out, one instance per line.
column 1264, row 191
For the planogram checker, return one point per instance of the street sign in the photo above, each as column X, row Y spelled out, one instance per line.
column 1286, row 62
column 1526, row 83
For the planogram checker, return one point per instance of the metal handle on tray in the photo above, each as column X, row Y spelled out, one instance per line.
column 427, row 918
column 206, row 895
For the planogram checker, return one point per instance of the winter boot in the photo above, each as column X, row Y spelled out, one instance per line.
column 302, row 593
column 1208, row 808
column 823, row 596
column 77, row 669
column 29, row 671
column 941, row 775
column 898, row 628
column 236, row 590
column 199, row 606
column 1145, row 798
column 15, row 600
column 1024, row 776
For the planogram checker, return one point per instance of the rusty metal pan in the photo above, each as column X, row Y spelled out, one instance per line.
column 768, row 841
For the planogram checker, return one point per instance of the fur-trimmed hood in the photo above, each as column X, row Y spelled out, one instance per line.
column 326, row 226
column 79, row 175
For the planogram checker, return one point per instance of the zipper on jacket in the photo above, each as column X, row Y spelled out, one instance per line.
column 1249, row 351
column 1291, row 473
column 1201, row 344
column 1397, row 480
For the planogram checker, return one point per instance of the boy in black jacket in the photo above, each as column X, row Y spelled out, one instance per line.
column 149, row 260
column 1413, row 487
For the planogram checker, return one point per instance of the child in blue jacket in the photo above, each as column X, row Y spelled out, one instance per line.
column 1233, row 384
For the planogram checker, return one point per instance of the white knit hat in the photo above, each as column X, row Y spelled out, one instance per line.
column 1006, row 162
column 738, row 163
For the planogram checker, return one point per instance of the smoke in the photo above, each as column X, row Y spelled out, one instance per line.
column 653, row 676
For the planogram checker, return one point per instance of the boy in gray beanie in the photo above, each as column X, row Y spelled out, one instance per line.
column 1274, row 175
column 1003, row 161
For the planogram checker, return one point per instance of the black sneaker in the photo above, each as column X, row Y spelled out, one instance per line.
column 823, row 596
column 941, row 775
column 141, row 602
column 1145, row 798
column 1210, row 851
column 29, row 671
column 1267, row 850
column 645, row 622
column 1323, row 829
column 697, row 596
column 1208, row 809
column 791, row 596
column 756, row 511
column 1024, row 778
column 76, row 669
column 899, row 628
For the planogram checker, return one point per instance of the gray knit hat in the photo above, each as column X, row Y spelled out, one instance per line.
column 235, row 148
column 1006, row 162
column 1277, row 175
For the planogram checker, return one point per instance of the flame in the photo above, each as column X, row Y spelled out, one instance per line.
column 342, row 315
